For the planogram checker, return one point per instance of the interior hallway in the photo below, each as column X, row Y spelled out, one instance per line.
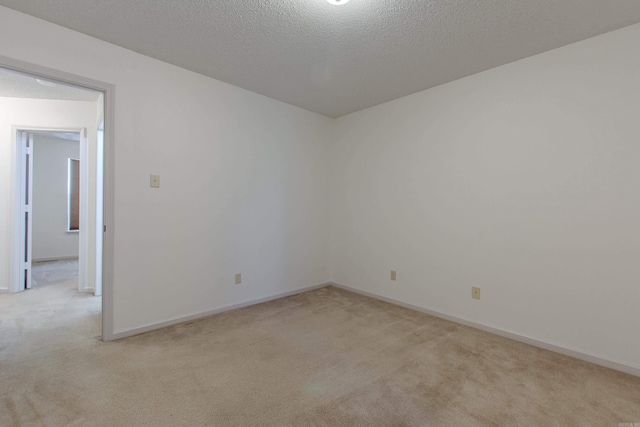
column 324, row 357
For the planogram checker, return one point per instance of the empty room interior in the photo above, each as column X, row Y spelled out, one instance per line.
column 329, row 212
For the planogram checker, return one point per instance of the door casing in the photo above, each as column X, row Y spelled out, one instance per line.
column 108, row 201
column 22, row 233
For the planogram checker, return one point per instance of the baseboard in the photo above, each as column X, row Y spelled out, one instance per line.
column 516, row 337
column 58, row 258
column 183, row 319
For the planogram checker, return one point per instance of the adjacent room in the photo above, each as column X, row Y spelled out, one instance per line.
column 52, row 132
column 327, row 212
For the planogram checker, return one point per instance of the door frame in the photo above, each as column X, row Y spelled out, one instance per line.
column 18, row 176
column 108, row 167
column 21, row 215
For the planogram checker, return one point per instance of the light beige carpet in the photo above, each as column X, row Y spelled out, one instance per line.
column 325, row 357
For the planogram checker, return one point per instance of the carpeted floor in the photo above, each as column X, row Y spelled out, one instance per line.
column 325, row 357
column 47, row 273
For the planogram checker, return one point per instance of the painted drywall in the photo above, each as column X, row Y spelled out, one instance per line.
column 243, row 180
column 51, row 240
column 521, row 180
column 40, row 113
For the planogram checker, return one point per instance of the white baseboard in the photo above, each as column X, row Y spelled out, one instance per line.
column 183, row 319
column 516, row 337
column 58, row 258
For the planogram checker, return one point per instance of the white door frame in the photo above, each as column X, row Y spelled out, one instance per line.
column 97, row 288
column 19, row 182
column 108, row 180
column 21, row 215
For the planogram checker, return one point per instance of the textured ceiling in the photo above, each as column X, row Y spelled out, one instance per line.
column 17, row 85
column 337, row 59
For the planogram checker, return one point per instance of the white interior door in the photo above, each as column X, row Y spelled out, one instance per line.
column 25, row 142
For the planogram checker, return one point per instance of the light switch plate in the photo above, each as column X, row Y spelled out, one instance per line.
column 393, row 274
column 475, row 292
column 154, row 181
column 238, row 278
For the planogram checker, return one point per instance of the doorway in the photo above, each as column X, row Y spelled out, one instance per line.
column 56, row 221
column 96, row 145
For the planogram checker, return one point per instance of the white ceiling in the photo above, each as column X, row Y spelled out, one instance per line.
column 337, row 59
column 17, row 85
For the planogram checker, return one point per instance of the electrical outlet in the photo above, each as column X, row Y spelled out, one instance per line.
column 154, row 181
column 393, row 275
column 475, row 292
column 238, row 278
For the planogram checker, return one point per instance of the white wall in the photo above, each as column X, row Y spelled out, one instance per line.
column 38, row 113
column 522, row 180
column 242, row 180
column 51, row 240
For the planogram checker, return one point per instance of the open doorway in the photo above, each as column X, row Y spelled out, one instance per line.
column 49, row 243
column 51, row 175
column 55, row 211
